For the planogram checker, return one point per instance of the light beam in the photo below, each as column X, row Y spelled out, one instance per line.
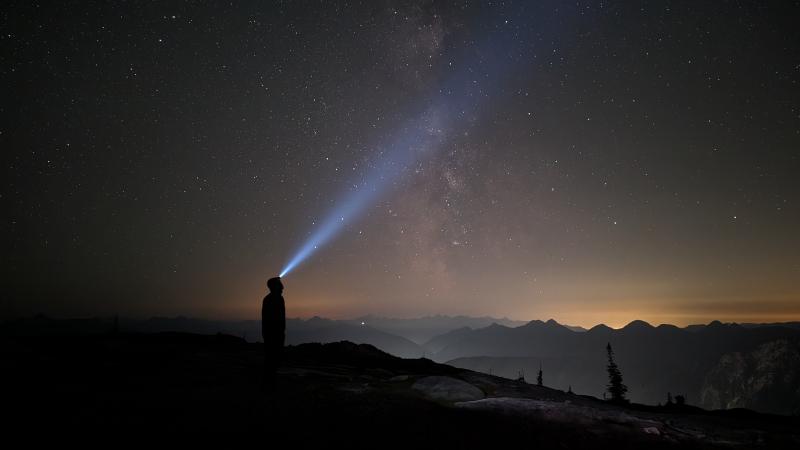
column 418, row 137
column 460, row 96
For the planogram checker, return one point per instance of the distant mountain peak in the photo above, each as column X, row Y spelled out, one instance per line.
column 717, row 325
column 637, row 325
column 551, row 325
column 600, row 327
column 534, row 323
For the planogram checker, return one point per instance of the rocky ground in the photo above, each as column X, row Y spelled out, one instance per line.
column 334, row 394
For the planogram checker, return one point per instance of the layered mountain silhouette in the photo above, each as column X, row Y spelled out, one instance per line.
column 654, row 360
column 423, row 329
column 714, row 366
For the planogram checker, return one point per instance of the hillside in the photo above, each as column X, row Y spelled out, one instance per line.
column 653, row 360
column 332, row 394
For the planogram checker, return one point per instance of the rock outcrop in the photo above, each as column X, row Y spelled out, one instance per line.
column 766, row 379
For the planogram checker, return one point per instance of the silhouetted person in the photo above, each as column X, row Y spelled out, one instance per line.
column 273, row 329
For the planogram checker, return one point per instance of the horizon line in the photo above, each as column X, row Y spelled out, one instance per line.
column 378, row 317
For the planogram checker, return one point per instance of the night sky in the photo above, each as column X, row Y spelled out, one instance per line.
column 584, row 161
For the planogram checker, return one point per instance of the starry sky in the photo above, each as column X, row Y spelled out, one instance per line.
column 592, row 162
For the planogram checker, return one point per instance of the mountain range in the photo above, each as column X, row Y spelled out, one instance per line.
column 655, row 361
column 714, row 366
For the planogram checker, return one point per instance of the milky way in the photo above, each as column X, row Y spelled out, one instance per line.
column 590, row 162
column 457, row 99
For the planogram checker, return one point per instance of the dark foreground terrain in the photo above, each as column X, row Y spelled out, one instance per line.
column 335, row 394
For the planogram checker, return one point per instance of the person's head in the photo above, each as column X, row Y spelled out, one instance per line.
column 275, row 285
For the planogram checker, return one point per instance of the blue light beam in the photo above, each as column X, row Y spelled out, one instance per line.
column 459, row 97
column 418, row 137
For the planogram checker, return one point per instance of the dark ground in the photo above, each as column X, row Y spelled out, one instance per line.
column 325, row 395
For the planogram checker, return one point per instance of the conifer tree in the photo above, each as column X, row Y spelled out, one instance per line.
column 615, row 386
column 539, row 376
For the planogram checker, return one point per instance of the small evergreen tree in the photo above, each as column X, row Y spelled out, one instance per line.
column 569, row 391
column 539, row 376
column 669, row 398
column 615, row 386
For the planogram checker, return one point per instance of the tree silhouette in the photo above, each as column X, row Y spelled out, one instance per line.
column 615, row 386
column 539, row 376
